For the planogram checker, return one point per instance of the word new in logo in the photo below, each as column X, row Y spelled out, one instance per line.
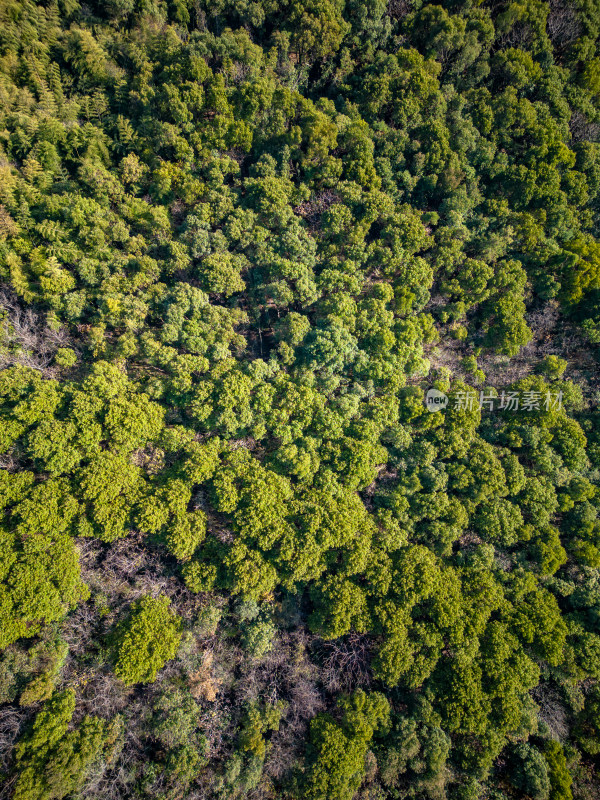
column 435, row 400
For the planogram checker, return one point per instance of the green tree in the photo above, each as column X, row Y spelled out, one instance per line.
column 53, row 761
column 145, row 640
column 337, row 753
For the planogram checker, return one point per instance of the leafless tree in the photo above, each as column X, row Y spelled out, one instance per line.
column 26, row 338
column 346, row 662
column 103, row 695
column 312, row 209
column 582, row 130
column 552, row 710
column 11, row 722
column 80, row 628
column 399, row 8
column 304, row 701
column 563, row 25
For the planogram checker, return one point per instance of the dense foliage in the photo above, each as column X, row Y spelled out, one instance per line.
column 239, row 555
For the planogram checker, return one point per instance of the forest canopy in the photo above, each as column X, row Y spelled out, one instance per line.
column 241, row 553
